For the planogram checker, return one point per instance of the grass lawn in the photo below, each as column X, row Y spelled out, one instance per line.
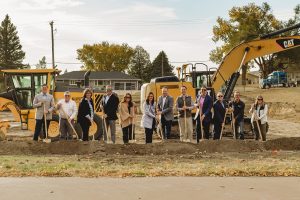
column 214, row 164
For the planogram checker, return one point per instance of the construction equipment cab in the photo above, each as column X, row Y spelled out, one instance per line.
column 22, row 86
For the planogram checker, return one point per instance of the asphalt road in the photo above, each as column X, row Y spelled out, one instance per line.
column 187, row 188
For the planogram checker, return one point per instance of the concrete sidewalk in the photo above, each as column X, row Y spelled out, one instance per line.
column 173, row 188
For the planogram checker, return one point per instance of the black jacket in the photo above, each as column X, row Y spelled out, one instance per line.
column 219, row 112
column 111, row 107
column 238, row 110
column 84, row 110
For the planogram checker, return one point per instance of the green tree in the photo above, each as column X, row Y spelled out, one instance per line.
column 105, row 57
column 140, row 64
column 11, row 53
column 245, row 23
column 161, row 61
column 42, row 63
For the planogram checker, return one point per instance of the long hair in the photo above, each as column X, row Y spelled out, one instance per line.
column 147, row 100
column 130, row 104
column 256, row 102
column 86, row 91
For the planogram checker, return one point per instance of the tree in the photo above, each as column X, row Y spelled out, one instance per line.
column 246, row 23
column 105, row 57
column 11, row 54
column 140, row 64
column 161, row 61
column 42, row 63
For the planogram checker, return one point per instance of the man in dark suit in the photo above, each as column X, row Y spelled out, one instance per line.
column 110, row 104
column 204, row 105
column 219, row 114
column 165, row 110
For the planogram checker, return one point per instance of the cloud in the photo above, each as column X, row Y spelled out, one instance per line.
column 48, row 4
column 143, row 10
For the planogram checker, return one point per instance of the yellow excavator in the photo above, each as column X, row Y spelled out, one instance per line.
column 23, row 85
column 224, row 77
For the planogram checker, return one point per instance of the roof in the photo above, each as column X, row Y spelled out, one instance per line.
column 96, row 75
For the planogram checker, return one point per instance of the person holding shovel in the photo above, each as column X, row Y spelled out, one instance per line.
column 220, row 111
column 165, row 110
column 127, row 110
column 149, row 117
column 259, row 118
column 204, row 116
column 110, row 104
column 238, row 107
column 67, row 113
column 44, row 104
column 86, row 111
column 184, row 105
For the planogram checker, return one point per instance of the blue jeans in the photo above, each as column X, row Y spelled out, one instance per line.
column 239, row 130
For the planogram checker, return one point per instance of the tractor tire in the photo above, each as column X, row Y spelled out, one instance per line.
column 53, row 131
column 98, row 123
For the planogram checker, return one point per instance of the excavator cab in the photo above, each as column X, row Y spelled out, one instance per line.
column 23, row 85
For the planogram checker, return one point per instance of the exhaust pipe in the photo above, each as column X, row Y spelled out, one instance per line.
column 87, row 79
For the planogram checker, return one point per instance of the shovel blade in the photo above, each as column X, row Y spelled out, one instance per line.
column 47, row 140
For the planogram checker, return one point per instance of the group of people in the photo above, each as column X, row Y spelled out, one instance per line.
column 160, row 113
column 208, row 113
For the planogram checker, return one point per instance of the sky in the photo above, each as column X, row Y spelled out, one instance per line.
column 181, row 28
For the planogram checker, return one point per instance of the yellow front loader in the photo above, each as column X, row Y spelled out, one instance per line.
column 23, row 85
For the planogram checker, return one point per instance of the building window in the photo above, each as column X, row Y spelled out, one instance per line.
column 101, row 82
column 73, row 82
column 130, row 86
column 119, row 86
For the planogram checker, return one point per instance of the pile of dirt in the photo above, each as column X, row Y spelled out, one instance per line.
column 279, row 109
column 163, row 148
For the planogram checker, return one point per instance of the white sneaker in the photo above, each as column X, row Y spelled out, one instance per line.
column 188, row 140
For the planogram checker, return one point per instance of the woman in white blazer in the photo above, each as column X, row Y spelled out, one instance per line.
column 149, row 117
column 259, row 112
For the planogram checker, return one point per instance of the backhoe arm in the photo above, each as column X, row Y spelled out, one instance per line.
column 247, row 51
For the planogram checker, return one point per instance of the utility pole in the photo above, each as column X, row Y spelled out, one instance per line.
column 162, row 63
column 52, row 39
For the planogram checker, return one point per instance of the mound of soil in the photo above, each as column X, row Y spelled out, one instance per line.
column 163, row 148
column 277, row 109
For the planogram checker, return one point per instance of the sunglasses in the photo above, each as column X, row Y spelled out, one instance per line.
column 260, row 99
column 128, row 97
column 220, row 96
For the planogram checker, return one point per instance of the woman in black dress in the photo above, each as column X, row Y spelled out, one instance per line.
column 86, row 113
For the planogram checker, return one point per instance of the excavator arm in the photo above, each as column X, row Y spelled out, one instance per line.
column 248, row 51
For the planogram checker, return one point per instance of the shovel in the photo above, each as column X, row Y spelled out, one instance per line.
column 68, row 119
column 201, row 123
column 233, row 125
column 132, row 132
column 46, row 140
column 258, row 127
column 223, row 124
column 108, row 137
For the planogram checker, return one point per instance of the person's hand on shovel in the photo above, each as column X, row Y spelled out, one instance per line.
column 202, row 117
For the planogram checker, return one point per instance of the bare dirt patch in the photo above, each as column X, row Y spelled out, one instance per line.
column 163, row 148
